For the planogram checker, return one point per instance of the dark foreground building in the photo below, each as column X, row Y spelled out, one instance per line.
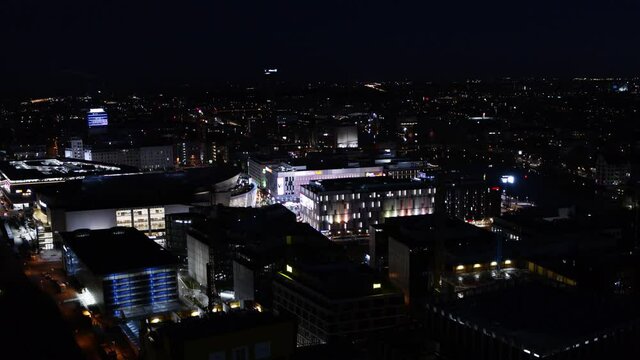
column 537, row 320
column 245, row 335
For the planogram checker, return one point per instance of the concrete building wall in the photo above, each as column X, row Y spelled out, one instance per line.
column 198, row 257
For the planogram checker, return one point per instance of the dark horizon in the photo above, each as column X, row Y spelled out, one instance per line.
column 81, row 47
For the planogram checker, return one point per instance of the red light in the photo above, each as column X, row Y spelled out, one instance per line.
column 526, row 176
column 495, row 188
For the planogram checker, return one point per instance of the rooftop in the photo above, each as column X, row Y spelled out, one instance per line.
column 544, row 319
column 460, row 239
column 47, row 170
column 342, row 280
column 149, row 189
column 217, row 324
column 365, row 184
column 116, row 250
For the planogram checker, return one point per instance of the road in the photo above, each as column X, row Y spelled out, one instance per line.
column 91, row 333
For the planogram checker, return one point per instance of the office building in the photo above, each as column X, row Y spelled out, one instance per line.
column 612, row 170
column 123, row 272
column 347, row 137
column 77, row 150
column 248, row 335
column 258, row 261
column 350, row 206
column 470, row 200
column 177, row 226
column 336, row 301
column 216, row 239
column 146, row 158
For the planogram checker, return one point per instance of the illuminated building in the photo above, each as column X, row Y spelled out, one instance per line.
column 336, row 301
column 123, row 271
column 77, row 150
column 97, row 118
column 284, row 181
column 347, row 137
column 141, row 201
column 27, row 175
column 469, row 200
column 350, row 206
column 147, row 158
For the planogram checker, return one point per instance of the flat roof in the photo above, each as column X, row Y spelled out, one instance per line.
column 545, row 319
column 147, row 189
column 56, row 169
column 341, row 280
column 461, row 240
column 366, row 184
column 117, row 250
column 218, row 324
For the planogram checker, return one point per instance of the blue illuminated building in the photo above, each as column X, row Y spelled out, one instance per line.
column 124, row 272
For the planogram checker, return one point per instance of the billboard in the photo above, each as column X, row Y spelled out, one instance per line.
column 97, row 117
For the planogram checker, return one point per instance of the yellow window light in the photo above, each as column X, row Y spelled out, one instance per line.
column 155, row 320
column 477, row 266
column 460, row 267
column 289, row 269
column 377, row 285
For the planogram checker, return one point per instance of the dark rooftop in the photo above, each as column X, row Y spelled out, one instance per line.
column 217, row 324
column 341, row 280
column 362, row 184
column 545, row 319
column 116, row 250
column 460, row 239
column 103, row 192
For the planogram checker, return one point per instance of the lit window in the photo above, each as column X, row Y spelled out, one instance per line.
column 377, row 285
column 289, row 269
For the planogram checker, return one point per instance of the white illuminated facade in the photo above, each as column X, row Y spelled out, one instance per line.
column 284, row 182
column 347, row 207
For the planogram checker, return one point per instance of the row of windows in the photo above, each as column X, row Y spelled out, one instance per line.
column 356, row 196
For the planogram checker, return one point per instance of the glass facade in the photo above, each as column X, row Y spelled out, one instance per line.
column 151, row 287
column 151, row 221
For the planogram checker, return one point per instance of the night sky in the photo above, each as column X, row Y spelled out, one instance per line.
column 67, row 44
